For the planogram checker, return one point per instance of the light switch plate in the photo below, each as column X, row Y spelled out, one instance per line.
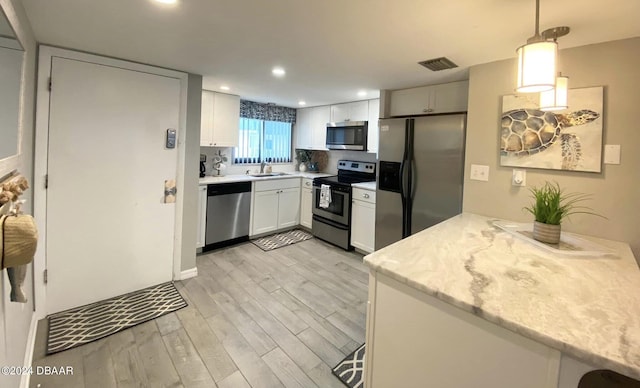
column 479, row 172
column 612, row 154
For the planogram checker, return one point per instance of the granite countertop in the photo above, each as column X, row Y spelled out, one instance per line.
column 365, row 185
column 247, row 178
column 585, row 306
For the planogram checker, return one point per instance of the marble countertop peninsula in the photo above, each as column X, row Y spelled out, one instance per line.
column 248, row 178
column 587, row 307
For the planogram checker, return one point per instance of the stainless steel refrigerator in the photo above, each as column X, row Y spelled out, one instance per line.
column 420, row 174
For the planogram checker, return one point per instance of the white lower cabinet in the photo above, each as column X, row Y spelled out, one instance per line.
column 306, row 202
column 363, row 219
column 275, row 205
column 265, row 212
column 202, row 215
column 288, row 207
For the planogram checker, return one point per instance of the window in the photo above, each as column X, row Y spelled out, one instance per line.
column 263, row 141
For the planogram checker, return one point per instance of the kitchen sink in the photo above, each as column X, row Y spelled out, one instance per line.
column 261, row 174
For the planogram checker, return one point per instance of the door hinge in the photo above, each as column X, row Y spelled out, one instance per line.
column 49, row 83
column 46, row 276
column 46, row 181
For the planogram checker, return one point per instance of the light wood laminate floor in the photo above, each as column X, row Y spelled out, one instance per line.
column 281, row 318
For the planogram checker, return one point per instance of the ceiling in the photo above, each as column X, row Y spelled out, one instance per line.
column 331, row 49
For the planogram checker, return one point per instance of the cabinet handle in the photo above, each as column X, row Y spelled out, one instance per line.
column 307, row 183
column 427, row 110
column 365, row 195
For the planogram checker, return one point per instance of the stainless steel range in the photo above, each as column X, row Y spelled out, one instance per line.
column 332, row 219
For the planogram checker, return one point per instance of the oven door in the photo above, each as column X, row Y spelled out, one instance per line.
column 338, row 210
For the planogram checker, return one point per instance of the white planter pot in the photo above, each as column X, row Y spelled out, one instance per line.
column 546, row 233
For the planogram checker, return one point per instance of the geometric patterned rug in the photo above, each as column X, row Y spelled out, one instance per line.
column 351, row 370
column 280, row 240
column 85, row 324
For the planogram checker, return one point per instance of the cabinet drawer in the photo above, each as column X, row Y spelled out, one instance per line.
column 364, row 195
column 275, row 184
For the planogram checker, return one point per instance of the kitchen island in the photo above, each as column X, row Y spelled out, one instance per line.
column 466, row 304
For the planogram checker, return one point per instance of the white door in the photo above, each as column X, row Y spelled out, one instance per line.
column 306, row 202
column 108, row 230
column 289, row 207
column 363, row 223
column 265, row 211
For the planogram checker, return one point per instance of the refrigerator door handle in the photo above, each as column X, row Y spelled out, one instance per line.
column 414, row 175
column 407, row 186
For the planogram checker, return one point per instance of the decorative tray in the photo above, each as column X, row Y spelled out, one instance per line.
column 570, row 244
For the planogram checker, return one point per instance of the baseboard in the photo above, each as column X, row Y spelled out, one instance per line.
column 189, row 273
column 28, row 353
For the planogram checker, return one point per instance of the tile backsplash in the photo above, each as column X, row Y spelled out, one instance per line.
column 234, row 169
column 334, row 156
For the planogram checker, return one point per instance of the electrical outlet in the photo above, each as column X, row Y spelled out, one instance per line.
column 479, row 172
column 519, row 177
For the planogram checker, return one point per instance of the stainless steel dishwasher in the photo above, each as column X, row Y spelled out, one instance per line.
column 228, row 209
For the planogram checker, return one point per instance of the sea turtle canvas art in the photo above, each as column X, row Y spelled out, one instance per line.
column 569, row 139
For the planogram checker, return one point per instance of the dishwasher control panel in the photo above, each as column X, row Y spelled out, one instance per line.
column 228, row 188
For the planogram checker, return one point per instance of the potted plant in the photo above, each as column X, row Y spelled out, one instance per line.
column 303, row 157
column 550, row 207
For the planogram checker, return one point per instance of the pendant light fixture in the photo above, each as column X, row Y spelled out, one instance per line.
column 537, row 62
column 556, row 98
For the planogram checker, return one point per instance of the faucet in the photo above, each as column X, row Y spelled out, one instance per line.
column 262, row 164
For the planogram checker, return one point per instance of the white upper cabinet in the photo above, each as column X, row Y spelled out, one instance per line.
column 220, row 119
column 321, row 116
column 303, row 128
column 443, row 98
column 311, row 127
column 372, row 131
column 351, row 111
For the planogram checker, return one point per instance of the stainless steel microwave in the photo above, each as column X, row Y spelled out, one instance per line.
column 350, row 135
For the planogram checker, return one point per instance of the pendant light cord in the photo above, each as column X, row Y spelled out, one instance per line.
column 537, row 18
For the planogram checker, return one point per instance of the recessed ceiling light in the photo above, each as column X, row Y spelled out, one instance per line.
column 224, row 87
column 166, row 1
column 302, row 103
column 278, row 72
column 362, row 93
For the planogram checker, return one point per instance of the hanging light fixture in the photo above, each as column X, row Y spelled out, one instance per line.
column 537, row 62
column 556, row 98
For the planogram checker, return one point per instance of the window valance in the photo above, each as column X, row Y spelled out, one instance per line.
column 268, row 112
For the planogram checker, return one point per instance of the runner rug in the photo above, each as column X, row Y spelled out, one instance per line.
column 351, row 370
column 85, row 324
column 280, row 240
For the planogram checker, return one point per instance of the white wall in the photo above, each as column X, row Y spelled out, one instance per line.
column 16, row 317
column 616, row 191
column 192, row 160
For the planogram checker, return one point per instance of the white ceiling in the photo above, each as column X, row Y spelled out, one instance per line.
column 329, row 48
